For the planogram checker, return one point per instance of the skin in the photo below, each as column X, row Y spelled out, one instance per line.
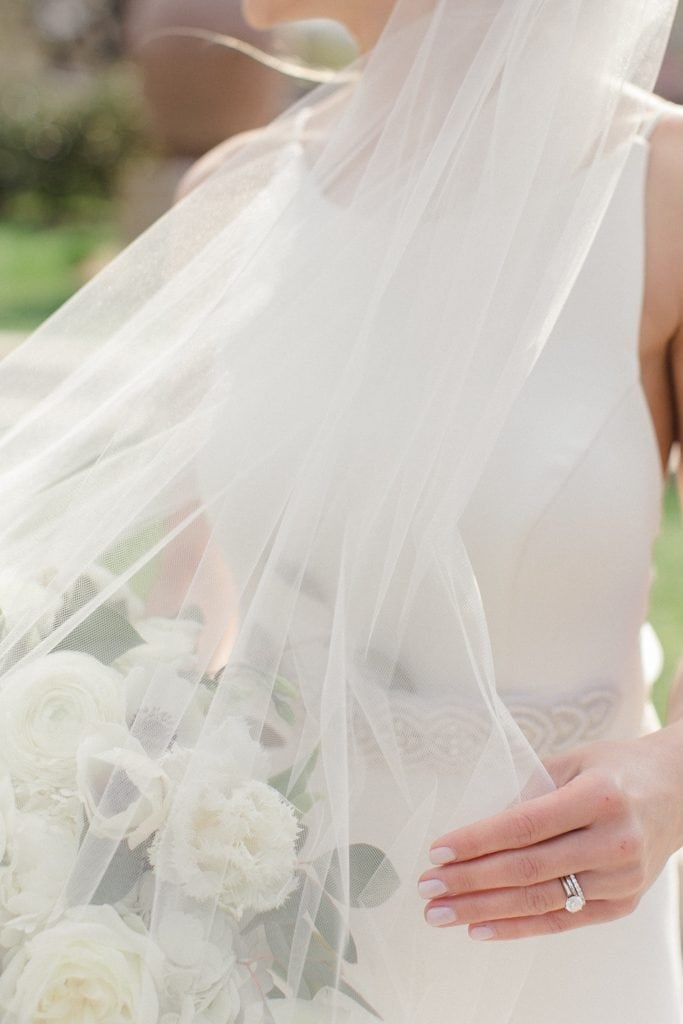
column 365, row 19
column 617, row 813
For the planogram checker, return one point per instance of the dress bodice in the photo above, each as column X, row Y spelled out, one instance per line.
column 561, row 526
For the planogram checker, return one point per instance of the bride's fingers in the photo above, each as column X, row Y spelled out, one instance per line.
column 541, row 863
column 597, row 912
column 574, row 806
column 523, row 901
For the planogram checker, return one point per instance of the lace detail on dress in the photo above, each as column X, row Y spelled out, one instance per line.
column 445, row 736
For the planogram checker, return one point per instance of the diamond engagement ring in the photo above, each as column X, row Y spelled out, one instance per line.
column 575, row 899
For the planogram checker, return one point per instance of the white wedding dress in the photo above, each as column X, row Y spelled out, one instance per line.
column 560, row 531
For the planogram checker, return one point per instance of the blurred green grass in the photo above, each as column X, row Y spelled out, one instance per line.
column 40, row 267
column 666, row 603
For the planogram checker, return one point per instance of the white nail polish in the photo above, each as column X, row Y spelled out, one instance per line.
column 431, row 888
column 441, row 855
column 481, row 932
column 439, row 916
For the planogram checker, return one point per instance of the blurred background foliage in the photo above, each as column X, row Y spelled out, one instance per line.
column 96, row 129
column 97, row 126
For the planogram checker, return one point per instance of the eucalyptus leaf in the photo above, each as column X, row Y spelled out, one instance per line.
column 372, row 877
column 123, row 870
column 351, row 992
column 319, row 974
column 279, row 941
column 284, row 710
column 301, row 775
column 331, row 926
column 105, row 634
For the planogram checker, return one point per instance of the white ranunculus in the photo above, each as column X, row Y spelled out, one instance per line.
column 91, row 967
column 328, row 1006
column 47, row 708
column 228, row 838
column 30, row 881
column 126, row 794
column 170, row 642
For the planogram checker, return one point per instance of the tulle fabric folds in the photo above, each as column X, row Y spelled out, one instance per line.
column 233, row 581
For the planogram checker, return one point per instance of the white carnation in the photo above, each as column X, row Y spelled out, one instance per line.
column 126, row 794
column 228, row 750
column 46, row 709
column 163, row 705
column 90, row 968
column 228, row 838
column 171, row 642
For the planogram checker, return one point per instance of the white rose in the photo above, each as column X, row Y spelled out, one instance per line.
column 201, row 976
column 46, row 709
column 8, row 815
column 170, row 642
column 31, row 882
column 115, row 770
column 228, row 839
column 328, row 1006
column 90, row 968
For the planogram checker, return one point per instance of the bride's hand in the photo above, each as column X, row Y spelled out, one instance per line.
column 614, row 820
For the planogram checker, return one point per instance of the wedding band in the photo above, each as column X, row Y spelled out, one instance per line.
column 575, row 899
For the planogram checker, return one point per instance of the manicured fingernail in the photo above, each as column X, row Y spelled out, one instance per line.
column 481, row 932
column 431, row 888
column 441, row 855
column 439, row 916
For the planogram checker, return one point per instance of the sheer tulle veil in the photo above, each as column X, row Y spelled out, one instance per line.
column 233, row 583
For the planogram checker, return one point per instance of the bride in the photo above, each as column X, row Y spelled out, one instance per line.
column 325, row 564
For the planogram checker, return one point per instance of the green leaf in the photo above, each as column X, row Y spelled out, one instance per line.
column 279, row 942
column 330, row 924
column 372, row 877
column 351, row 992
column 301, row 775
column 123, row 869
column 284, row 710
column 284, row 688
column 319, row 974
column 105, row 634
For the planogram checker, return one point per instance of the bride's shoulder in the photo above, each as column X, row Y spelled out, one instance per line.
column 664, row 133
column 205, row 166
